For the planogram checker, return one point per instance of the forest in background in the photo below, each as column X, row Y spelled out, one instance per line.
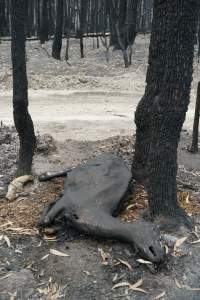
column 94, row 16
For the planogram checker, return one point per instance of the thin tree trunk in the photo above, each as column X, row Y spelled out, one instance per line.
column 2, row 17
column 44, row 24
column 57, row 42
column 161, row 112
column 195, row 136
column 22, row 118
column 38, row 17
column 67, row 48
column 131, row 31
column 83, row 12
column 198, row 37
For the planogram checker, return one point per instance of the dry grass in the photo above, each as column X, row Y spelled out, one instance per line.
column 138, row 204
column 22, row 215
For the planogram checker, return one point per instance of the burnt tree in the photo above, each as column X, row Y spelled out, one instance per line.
column 123, row 21
column 195, row 135
column 44, row 23
column 198, row 37
column 161, row 112
column 2, row 17
column 57, row 42
column 82, row 22
column 22, row 118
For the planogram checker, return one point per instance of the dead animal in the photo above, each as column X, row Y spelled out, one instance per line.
column 91, row 197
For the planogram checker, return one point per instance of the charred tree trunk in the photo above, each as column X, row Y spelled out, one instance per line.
column 83, row 12
column 57, row 42
column 131, row 32
column 2, row 17
column 52, row 17
column 123, row 20
column 44, row 24
column 198, row 38
column 38, row 17
column 22, row 118
column 195, row 135
column 30, row 18
column 161, row 112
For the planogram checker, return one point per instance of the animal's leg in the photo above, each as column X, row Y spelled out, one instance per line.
column 46, row 177
column 48, row 209
column 142, row 235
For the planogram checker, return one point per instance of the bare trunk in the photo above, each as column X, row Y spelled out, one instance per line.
column 44, row 28
column 161, row 112
column 22, row 118
column 195, row 136
column 57, row 42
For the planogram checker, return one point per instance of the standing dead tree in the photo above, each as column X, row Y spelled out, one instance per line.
column 2, row 17
column 145, row 14
column 82, row 22
column 44, row 23
column 22, row 118
column 83, row 18
column 161, row 112
column 123, row 20
column 195, row 135
column 57, row 42
column 198, row 32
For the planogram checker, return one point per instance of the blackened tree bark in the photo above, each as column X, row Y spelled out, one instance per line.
column 52, row 17
column 195, row 135
column 198, row 38
column 22, row 118
column 38, row 17
column 2, row 17
column 44, row 23
column 123, row 20
column 112, row 11
column 83, row 14
column 131, row 21
column 161, row 112
column 57, row 42
column 29, row 17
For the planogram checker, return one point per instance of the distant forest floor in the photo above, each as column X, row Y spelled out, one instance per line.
column 84, row 99
column 29, row 269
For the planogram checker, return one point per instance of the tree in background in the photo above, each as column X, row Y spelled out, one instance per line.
column 22, row 118
column 82, row 22
column 44, row 23
column 195, row 135
column 123, row 21
column 161, row 112
column 57, row 42
column 2, row 17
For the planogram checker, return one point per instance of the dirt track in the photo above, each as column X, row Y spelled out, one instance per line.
column 81, row 115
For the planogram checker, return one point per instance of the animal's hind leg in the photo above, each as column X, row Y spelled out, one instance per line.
column 142, row 235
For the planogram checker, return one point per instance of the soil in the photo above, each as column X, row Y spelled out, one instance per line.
column 29, row 269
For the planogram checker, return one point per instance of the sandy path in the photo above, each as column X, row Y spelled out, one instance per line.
column 81, row 115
